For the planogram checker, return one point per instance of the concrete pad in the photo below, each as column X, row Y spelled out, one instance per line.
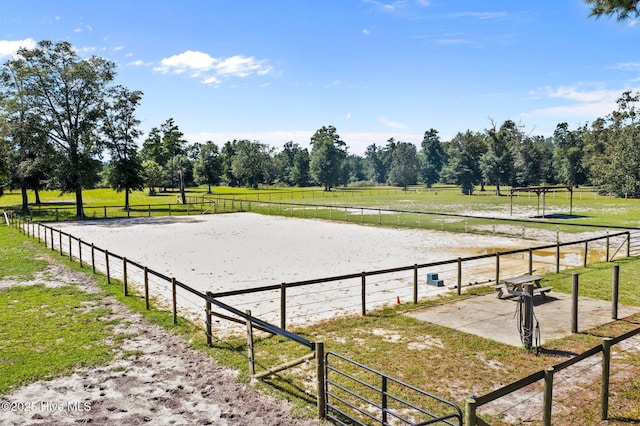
column 496, row 319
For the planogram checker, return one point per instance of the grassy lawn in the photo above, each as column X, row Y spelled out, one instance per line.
column 45, row 332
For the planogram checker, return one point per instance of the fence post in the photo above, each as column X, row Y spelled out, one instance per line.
column 497, row 267
column 146, row 288
column 80, row 251
column 607, row 259
column 415, row 283
column 39, row 234
column 105, row 212
column 558, row 257
column 45, row 237
column 207, row 319
column 628, row 244
column 283, row 306
column 124, row 276
column 60, row 241
column 52, row 248
column 614, row 292
column 470, row 412
column 383, row 402
column 530, row 261
column 606, row 364
column 252, row 361
column 574, row 303
column 586, row 251
column 175, row 302
column 548, row 396
column 364, row 293
column 106, row 256
column 70, row 256
column 459, row 286
column 321, row 388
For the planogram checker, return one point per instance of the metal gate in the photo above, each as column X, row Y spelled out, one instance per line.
column 359, row 395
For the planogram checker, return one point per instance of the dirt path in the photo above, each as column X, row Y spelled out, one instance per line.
column 154, row 379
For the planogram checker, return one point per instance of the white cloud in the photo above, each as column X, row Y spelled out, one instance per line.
column 366, row 32
column 188, row 61
column 242, row 66
column 332, row 84
column 197, row 64
column 10, row 47
column 348, row 116
column 579, row 103
column 392, row 124
column 627, row 66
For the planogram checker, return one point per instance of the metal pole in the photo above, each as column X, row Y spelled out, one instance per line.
column 208, row 319
column 548, row 396
column 574, row 303
column 364, row 291
column 321, row 382
column 283, row 306
column 146, row 288
column 415, row 283
column 459, row 286
column 614, row 292
column 250, row 353
column 175, row 302
column 606, row 365
column 124, row 276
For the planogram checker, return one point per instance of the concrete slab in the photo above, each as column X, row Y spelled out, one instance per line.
column 497, row 319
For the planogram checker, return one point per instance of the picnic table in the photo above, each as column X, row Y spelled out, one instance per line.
column 516, row 286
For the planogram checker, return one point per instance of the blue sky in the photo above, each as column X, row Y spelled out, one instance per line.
column 277, row 70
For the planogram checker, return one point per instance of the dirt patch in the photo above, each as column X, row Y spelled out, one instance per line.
column 155, row 378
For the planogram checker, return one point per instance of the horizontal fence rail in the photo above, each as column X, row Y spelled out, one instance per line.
column 352, row 386
column 472, row 404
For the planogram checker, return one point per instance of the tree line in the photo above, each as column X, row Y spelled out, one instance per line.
column 66, row 125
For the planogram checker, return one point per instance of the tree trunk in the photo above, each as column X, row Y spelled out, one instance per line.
column 25, row 198
column 126, row 199
column 37, row 193
column 209, row 189
column 182, row 194
column 79, row 210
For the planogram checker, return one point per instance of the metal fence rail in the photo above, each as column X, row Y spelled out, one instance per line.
column 357, row 394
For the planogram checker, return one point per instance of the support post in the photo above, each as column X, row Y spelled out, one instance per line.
column 558, row 257
column 146, row 288
column 250, row 353
column 606, row 365
column 574, row 303
column 93, row 258
column 586, row 252
column 497, row 268
column 320, row 377
column 283, row 306
column 124, row 276
column 470, row 412
column 530, row 261
column 106, row 256
column 70, row 255
column 548, row 396
column 207, row 320
column 80, row 251
column 175, row 301
column 459, row 286
column 614, row 291
column 415, row 283
column 607, row 255
column 364, row 293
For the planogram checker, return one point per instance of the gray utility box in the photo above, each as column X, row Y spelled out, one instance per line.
column 432, row 279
